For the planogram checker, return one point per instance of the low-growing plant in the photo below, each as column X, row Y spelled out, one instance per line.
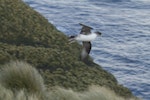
column 18, row 75
column 21, row 81
column 7, row 94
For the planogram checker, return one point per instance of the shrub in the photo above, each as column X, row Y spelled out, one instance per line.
column 7, row 94
column 21, row 76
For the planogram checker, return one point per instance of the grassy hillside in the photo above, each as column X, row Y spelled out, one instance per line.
column 26, row 35
column 20, row 81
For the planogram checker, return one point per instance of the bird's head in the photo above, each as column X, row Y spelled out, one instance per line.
column 98, row 33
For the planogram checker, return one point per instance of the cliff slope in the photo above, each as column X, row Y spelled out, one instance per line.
column 26, row 35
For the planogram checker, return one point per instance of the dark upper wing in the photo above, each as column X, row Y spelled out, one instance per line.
column 86, row 50
column 87, row 46
column 85, row 29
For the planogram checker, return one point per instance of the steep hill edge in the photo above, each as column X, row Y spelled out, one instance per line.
column 26, row 35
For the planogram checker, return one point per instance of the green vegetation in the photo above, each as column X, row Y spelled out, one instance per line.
column 27, row 36
column 20, row 81
column 20, row 75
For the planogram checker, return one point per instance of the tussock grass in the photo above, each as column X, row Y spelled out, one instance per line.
column 101, row 93
column 58, row 93
column 93, row 93
column 21, row 81
column 20, row 75
column 7, row 94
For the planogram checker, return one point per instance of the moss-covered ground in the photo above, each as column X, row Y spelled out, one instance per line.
column 27, row 36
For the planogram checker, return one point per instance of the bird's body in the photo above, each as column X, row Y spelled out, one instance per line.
column 85, row 36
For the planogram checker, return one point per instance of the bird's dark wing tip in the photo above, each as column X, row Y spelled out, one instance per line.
column 85, row 26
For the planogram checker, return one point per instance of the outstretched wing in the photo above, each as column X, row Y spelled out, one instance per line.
column 86, row 50
column 85, row 29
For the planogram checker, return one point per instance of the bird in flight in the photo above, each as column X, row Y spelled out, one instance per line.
column 85, row 36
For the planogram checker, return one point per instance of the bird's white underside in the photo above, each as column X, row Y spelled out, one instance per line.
column 86, row 38
column 83, row 54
